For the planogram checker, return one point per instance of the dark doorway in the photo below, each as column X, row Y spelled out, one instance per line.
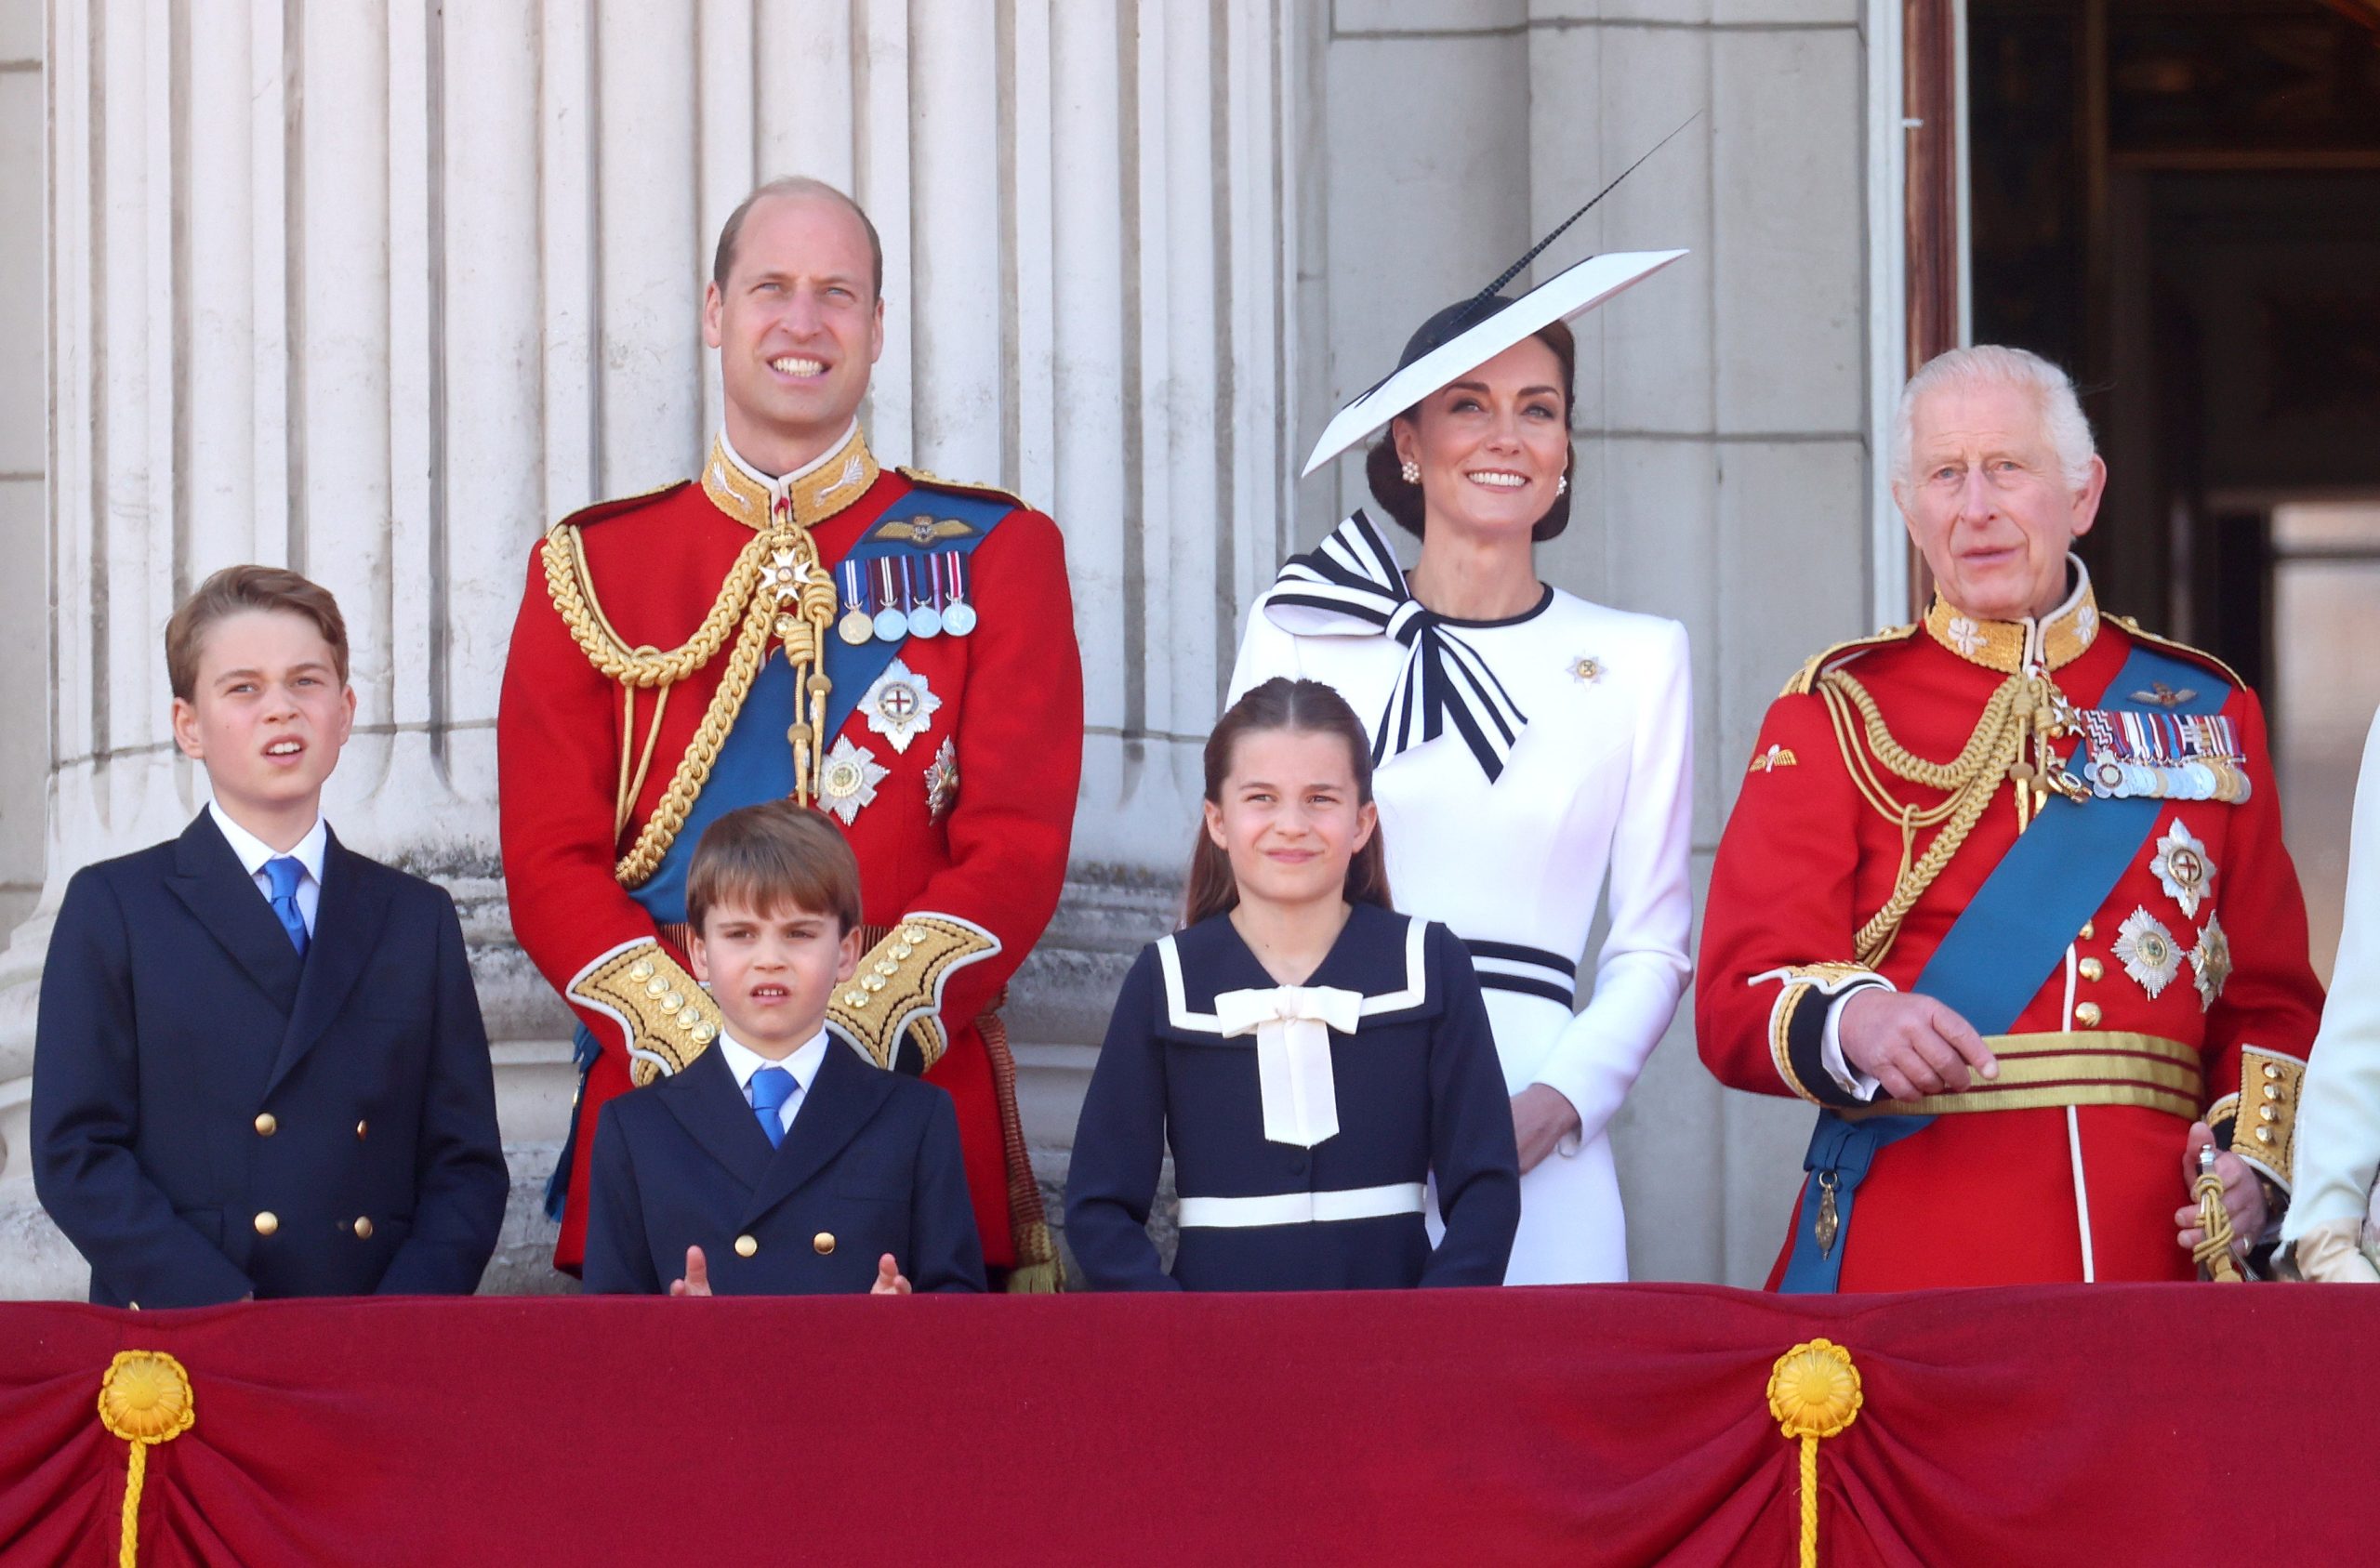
column 2180, row 202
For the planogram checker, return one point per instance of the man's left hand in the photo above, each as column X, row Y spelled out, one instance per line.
column 2244, row 1196
column 1542, row 1117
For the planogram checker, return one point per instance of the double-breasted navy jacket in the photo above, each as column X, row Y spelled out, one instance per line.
column 1420, row 1097
column 870, row 1166
column 214, row 1117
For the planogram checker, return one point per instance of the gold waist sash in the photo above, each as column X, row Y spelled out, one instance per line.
column 2083, row 1067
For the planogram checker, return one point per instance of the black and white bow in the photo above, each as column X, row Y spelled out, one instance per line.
column 1351, row 585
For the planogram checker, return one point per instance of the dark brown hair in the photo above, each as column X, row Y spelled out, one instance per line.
column 770, row 856
column 1401, row 497
column 1308, row 708
column 234, row 592
column 722, row 260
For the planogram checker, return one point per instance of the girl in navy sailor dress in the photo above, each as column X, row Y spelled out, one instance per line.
column 1316, row 1060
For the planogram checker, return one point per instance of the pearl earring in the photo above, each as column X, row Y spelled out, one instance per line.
column 1562, row 485
column 1412, row 472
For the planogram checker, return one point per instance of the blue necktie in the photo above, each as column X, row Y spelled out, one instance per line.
column 285, row 871
column 772, row 1087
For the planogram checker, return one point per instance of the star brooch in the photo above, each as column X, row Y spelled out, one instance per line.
column 2183, row 865
column 2212, row 959
column 849, row 779
column 2150, row 952
column 900, row 705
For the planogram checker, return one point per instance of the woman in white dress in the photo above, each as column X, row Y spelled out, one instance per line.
column 1531, row 749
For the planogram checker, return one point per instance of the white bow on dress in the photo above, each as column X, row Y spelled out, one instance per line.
column 1292, row 1026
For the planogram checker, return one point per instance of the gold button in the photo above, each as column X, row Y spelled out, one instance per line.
column 2093, row 969
column 2271, row 1070
column 267, row 1123
column 363, row 1227
column 640, row 969
column 2267, row 1113
column 823, row 1243
column 362, row 1127
column 2087, row 929
column 2264, row 1135
column 854, row 998
column 2272, row 1092
column 2087, row 1015
column 746, row 1246
column 268, row 1222
column 913, row 933
column 671, row 1001
column 655, row 987
column 134, row 1305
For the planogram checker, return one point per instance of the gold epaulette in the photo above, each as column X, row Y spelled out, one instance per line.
column 932, row 481
column 1805, row 680
column 2198, row 654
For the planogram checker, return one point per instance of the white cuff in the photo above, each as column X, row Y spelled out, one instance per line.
column 1857, row 1085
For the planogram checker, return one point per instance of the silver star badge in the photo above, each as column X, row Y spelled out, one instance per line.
column 2212, row 959
column 849, row 779
column 2183, row 865
column 900, row 706
column 2150, row 952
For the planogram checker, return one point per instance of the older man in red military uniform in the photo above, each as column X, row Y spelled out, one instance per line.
column 2004, row 894
column 894, row 650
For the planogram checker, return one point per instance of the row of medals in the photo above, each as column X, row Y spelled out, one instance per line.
column 892, row 597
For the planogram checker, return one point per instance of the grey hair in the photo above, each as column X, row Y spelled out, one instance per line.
column 722, row 260
column 2052, row 389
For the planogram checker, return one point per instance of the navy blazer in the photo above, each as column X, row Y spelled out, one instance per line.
column 1420, row 1096
column 214, row 1117
column 870, row 1166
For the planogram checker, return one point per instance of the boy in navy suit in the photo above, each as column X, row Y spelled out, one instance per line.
column 259, row 1068
column 777, row 1162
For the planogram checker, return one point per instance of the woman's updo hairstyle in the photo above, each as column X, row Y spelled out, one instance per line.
column 1400, row 498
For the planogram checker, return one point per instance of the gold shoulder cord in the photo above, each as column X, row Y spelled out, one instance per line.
column 776, row 588
column 2025, row 709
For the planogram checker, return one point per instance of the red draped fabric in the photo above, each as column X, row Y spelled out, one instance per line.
column 1613, row 1425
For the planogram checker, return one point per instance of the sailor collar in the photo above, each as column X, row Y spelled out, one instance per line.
column 2053, row 641
column 813, row 492
column 1381, row 955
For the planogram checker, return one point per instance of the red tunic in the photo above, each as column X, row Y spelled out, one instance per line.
column 1991, row 1198
column 1012, row 700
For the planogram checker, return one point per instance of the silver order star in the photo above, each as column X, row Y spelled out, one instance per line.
column 900, row 706
column 2212, row 959
column 2150, row 952
column 2184, row 868
column 848, row 780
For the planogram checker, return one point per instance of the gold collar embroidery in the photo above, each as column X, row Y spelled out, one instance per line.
column 819, row 490
column 2064, row 634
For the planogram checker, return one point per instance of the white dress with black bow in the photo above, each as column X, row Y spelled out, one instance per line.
column 1523, row 767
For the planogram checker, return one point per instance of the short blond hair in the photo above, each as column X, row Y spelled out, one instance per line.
column 770, row 856
column 234, row 592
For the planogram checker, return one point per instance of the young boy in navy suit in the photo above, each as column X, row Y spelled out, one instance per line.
column 259, row 1068
column 777, row 1162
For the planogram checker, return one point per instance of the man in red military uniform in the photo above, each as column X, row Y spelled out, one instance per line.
column 892, row 649
column 2004, row 894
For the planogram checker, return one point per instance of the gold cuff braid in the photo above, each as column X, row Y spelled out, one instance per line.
column 669, row 1020
column 2264, row 1130
column 899, row 987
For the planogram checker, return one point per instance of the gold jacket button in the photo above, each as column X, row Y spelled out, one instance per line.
column 823, row 1243
column 2087, row 1015
column 2092, row 969
column 363, row 1227
column 362, row 1127
column 2087, row 929
column 746, row 1246
column 267, row 1123
column 268, row 1222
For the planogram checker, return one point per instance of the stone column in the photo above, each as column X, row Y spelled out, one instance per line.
column 379, row 293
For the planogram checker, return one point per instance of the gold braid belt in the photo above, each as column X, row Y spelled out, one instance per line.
column 776, row 587
column 2028, row 711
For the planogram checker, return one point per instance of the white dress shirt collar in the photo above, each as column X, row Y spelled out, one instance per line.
column 254, row 851
column 803, row 1064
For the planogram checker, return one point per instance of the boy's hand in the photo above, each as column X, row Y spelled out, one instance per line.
column 890, row 1281
column 697, row 1280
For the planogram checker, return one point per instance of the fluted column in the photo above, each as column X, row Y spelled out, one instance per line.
column 381, row 292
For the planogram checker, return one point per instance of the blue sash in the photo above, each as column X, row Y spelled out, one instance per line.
column 1996, row 956
column 755, row 763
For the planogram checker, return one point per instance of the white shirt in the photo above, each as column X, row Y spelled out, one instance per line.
column 254, row 851
column 743, row 1062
